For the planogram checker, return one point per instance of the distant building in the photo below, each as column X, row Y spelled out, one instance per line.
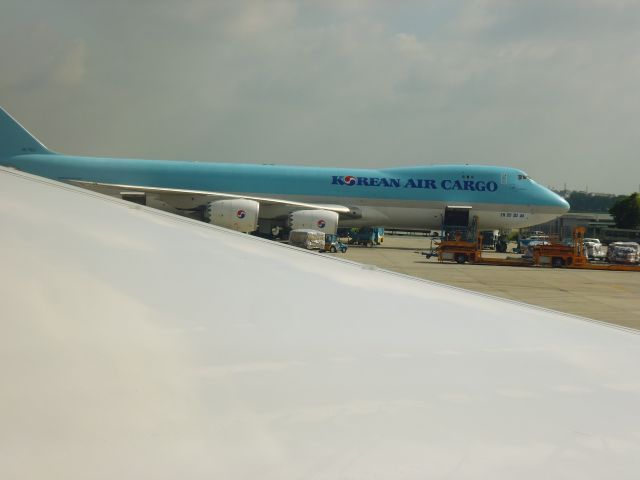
column 563, row 226
column 599, row 225
column 608, row 235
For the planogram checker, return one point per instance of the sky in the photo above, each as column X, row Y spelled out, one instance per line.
column 548, row 86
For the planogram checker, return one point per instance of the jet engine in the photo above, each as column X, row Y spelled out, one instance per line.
column 237, row 214
column 323, row 220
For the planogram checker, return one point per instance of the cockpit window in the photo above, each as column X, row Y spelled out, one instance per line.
column 522, row 177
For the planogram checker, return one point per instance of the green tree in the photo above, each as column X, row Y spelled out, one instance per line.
column 626, row 211
column 591, row 202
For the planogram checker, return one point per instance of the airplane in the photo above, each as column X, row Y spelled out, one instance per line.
column 140, row 344
column 271, row 198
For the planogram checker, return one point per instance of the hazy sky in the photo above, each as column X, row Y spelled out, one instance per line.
column 549, row 86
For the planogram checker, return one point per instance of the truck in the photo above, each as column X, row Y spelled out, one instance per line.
column 368, row 236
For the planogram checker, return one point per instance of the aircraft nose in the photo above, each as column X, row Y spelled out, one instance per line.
column 552, row 202
column 562, row 203
column 559, row 203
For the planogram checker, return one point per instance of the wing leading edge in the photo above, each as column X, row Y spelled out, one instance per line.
column 117, row 188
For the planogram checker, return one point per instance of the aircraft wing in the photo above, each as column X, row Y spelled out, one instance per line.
column 140, row 344
column 167, row 193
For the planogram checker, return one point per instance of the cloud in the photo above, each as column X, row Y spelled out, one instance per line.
column 71, row 70
column 261, row 17
column 548, row 86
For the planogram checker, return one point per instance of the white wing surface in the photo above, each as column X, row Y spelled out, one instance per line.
column 137, row 344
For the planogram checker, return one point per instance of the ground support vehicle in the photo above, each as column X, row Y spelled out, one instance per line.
column 489, row 239
column 460, row 251
column 544, row 254
column 559, row 255
column 333, row 244
column 593, row 248
column 523, row 244
column 307, row 238
column 368, row 236
column 456, row 250
column 501, row 244
column 627, row 253
column 574, row 256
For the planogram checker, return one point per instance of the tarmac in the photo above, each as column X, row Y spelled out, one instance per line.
column 612, row 297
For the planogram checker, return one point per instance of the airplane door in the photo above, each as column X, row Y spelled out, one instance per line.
column 456, row 218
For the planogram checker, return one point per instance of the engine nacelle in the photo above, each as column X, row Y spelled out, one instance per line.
column 237, row 214
column 323, row 220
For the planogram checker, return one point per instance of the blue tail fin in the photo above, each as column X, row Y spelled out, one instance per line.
column 15, row 140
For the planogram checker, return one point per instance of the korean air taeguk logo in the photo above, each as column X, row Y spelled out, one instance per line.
column 321, row 223
column 350, row 180
column 241, row 214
